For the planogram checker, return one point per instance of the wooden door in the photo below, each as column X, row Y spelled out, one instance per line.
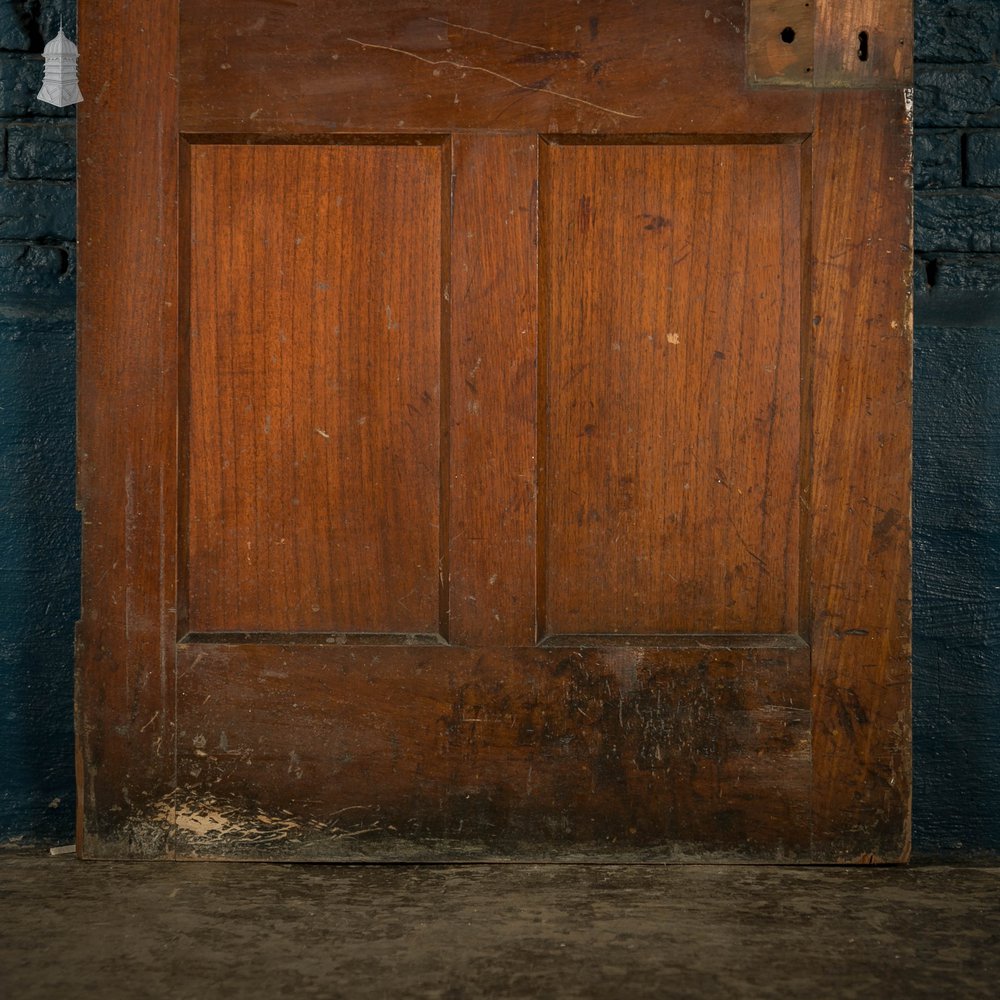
column 494, row 430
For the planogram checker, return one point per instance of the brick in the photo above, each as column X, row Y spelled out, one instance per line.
column 956, row 744
column 937, row 160
column 920, row 284
column 39, row 379
column 968, row 272
column 982, row 159
column 966, row 222
column 30, row 321
column 37, row 442
column 956, row 410
column 958, row 290
column 956, row 31
column 54, row 13
column 20, row 81
column 46, row 150
column 15, row 27
column 25, row 28
column 30, row 271
column 946, row 97
column 17, row 84
column 958, row 581
column 32, row 210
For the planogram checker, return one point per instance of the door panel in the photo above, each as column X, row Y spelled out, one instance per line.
column 671, row 380
column 314, row 427
column 493, row 439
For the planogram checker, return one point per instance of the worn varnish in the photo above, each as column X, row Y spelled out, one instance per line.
column 534, row 753
column 494, row 439
column 537, row 66
column 781, row 42
column 864, row 43
column 851, row 44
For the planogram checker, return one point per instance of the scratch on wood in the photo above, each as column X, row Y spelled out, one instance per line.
column 750, row 552
column 478, row 31
column 716, row 18
column 499, row 76
column 130, row 550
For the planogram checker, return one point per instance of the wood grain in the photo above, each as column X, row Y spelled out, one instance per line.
column 671, row 388
column 493, row 391
column 860, row 499
column 600, row 67
column 780, row 42
column 315, row 388
column 449, row 753
column 126, row 415
column 855, row 44
column 884, row 59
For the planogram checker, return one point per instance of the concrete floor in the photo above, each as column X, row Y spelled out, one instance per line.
column 96, row 929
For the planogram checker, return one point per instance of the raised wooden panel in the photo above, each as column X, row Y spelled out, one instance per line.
column 671, row 396
column 313, row 480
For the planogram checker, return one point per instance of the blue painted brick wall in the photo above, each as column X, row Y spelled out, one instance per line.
column 957, row 427
column 956, row 417
column 39, row 528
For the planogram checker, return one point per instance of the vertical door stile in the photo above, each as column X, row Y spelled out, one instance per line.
column 494, row 329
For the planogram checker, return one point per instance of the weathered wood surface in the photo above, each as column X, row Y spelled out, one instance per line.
column 860, row 494
column 741, row 694
column 852, row 44
column 428, row 753
column 864, row 43
column 603, row 67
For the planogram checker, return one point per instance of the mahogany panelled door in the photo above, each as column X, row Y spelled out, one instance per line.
column 494, row 430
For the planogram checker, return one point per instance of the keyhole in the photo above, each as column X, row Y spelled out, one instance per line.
column 788, row 35
column 863, row 46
